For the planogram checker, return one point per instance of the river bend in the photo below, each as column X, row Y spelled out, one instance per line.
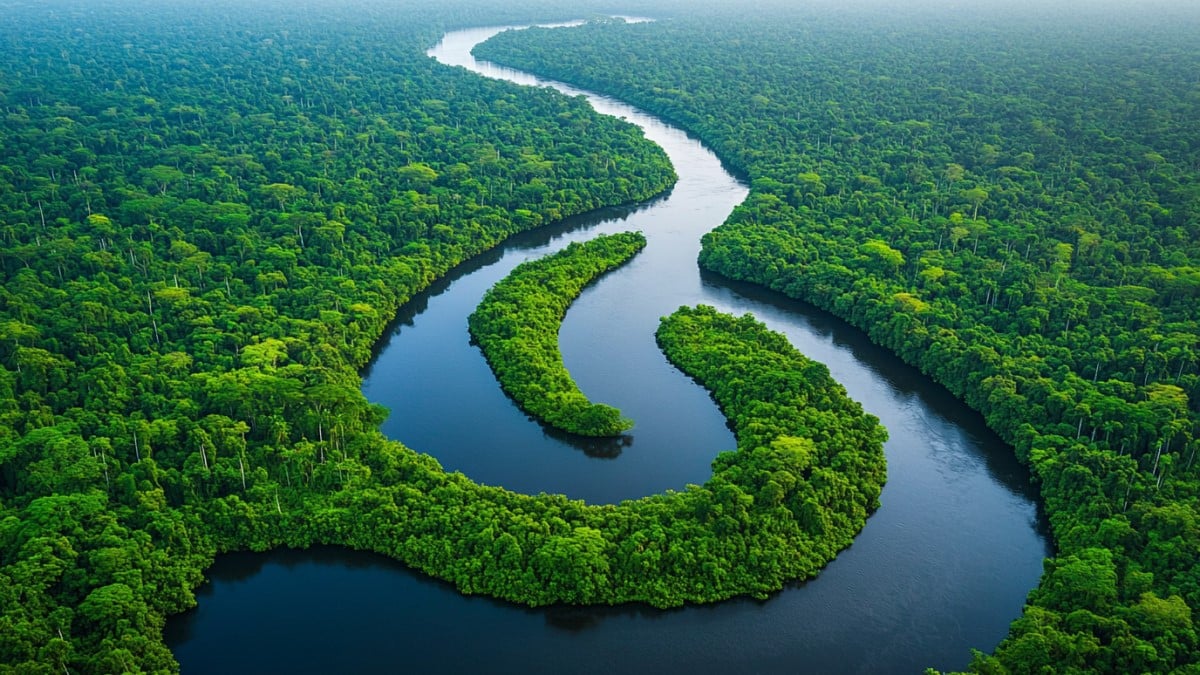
column 942, row 567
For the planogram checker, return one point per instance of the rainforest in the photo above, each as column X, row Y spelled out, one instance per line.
column 213, row 214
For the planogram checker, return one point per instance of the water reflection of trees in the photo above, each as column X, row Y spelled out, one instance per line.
column 599, row 448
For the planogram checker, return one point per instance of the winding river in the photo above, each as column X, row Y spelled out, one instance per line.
column 942, row 567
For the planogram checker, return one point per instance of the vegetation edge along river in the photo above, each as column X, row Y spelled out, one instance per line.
column 1038, row 284
column 516, row 326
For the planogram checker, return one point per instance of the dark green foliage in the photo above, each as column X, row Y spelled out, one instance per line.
column 516, row 325
column 1012, row 207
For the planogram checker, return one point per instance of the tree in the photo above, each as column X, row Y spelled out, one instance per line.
column 975, row 196
column 161, row 177
column 417, row 176
column 282, row 193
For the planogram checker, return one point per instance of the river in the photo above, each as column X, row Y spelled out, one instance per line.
column 942, row 567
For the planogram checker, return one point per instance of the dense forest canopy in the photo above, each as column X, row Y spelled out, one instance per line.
column 1008, row 203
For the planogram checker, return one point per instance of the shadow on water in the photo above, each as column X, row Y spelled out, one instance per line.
column 575, row 619
column 598, row 448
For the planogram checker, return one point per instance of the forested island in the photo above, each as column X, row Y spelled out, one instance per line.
column 517, row 323
column 210, row 212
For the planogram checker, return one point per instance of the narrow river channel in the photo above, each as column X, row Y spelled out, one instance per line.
column 942, row 567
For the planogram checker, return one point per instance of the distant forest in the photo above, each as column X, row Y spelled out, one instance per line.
column 210, row 211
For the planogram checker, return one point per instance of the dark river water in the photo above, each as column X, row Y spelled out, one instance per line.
column 942, row 567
